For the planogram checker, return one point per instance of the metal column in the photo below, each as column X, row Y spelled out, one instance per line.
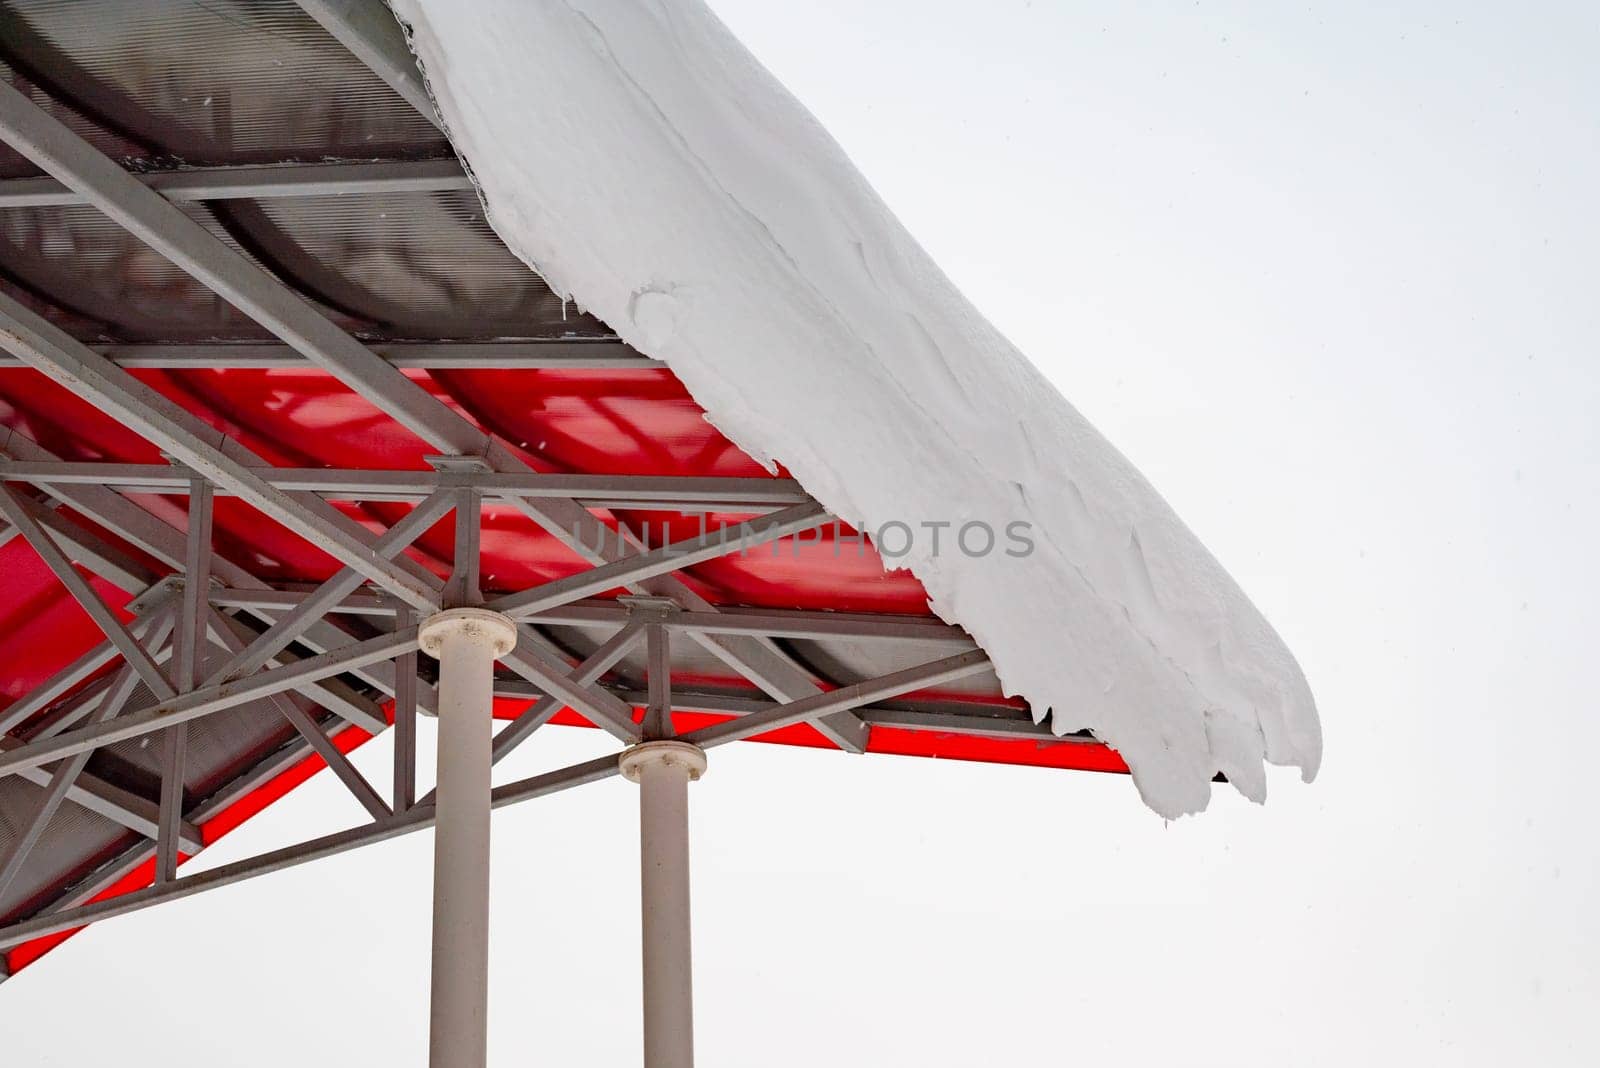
column 466, row 642
column 663, row 770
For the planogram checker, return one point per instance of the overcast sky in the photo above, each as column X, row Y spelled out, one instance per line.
column 1327, row 276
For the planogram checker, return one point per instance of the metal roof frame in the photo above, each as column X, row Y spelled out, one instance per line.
column 207, row 635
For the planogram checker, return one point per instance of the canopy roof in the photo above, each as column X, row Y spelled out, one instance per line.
column 320, row 294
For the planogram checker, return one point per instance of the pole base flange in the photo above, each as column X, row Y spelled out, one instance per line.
column 498, row 630
column 666, row 752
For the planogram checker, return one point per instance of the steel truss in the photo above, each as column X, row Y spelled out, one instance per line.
column 283, row 642
column 289, row 645
column 81, row 720
column 208, row 635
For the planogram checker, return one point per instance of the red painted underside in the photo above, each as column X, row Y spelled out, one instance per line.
column 635, row 422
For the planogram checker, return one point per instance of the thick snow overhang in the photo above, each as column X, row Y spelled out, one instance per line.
column 643, row 162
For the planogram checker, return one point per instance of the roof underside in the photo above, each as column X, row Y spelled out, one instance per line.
column 264, row 129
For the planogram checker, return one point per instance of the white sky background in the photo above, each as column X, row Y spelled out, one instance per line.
column 1327, row 277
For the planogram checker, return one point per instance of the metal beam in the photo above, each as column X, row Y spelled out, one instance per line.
column 658, row 677
column 824, row 625
column 658, row 561
column 56, row 149
column 208, row 700
column 757, row 721
column 266, row 601
column 45, row 806
column 45, row 346
column 122, row 807
column 730, row 620
column 285, row 758
column 946, row 716
column 359, row 484
column 119, row 867
column 757, row 659
column 304, row 615
column 768, row 622
column 309, row 730
column 62, row 779
column 465, row 585
column 978, row 719
column 193, row 610
column 88, row 791
column 114, row 689
column 581, row 355
column 11, row 507
column 120, row 516
column 418, row 818
column 41, row 696
column 642, row 492
column 69, row 781
column 372, row 34
column 558, row 680
column 586, row 673
column 167, row 544
column 605, row 711
column 404, row 781
column 355, row 709
column 271, row 182
column 948, row 669
column 107, row 561
column 764, row 664
column 421, row 815
column 194, row 615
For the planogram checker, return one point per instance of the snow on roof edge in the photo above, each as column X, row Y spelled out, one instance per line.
column 642, row 161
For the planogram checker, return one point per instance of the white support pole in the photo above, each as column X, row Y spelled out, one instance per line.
column 663, row 770
column 466, row 642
